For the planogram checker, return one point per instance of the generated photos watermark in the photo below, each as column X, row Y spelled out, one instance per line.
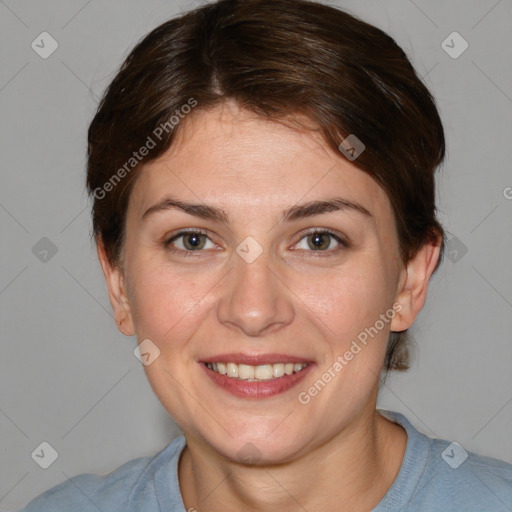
column 145, row 149
column 343, row 360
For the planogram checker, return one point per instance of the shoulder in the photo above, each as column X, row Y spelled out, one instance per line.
column 87, row 490
column 468, row 478
column 439, row 475
column 127, row 488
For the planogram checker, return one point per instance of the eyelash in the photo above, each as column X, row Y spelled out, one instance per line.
column 343, row 244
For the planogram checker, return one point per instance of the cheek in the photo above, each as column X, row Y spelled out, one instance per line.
column 350, row 300
column 166, row 302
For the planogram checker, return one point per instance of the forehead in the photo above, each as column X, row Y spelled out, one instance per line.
column 232, row 158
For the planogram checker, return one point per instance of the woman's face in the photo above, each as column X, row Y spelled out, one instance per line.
column 251, row 279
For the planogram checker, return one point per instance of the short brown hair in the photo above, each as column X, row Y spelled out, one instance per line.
column 277, row 58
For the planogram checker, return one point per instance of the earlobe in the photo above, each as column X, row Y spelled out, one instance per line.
column 413, row 286
column 116, row 291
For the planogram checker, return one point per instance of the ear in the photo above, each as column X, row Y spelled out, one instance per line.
column 116, row 291
column 412, row 289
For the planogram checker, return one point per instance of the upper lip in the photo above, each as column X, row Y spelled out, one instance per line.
column 255, row 359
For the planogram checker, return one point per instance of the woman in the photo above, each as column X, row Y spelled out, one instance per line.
column 264, row 210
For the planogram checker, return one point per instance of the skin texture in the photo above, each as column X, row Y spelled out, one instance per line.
column 292, row 299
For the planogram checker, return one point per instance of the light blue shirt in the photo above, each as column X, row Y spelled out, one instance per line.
column 435, row 476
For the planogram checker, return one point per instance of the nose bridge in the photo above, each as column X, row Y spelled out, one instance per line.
column 255, row 300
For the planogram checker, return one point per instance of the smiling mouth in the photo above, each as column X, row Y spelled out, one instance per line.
column 258, row 373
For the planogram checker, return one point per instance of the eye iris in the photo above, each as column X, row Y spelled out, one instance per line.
column 318, row 241
column 193, row 241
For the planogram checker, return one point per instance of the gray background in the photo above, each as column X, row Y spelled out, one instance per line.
column 70, row 378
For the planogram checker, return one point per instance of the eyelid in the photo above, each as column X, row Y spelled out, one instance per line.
column 340, row 238
column 168, row 239
column 185, row 231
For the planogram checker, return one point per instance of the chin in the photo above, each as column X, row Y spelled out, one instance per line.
column 257, row 446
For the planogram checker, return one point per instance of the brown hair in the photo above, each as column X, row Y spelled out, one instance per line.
column 277, row 58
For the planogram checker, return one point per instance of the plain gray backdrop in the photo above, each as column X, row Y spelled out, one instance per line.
column 70, row 379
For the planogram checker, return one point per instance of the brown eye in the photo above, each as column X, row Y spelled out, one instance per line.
column 189, row 241
column 321, row 241
column 194, row 241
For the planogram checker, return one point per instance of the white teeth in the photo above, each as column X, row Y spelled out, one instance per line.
column 256, row 373
column 245, row 371
column 264, row 372
column 278, row 369
column 232, row 370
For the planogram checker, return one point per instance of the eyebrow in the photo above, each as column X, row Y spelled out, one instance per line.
column 293, row 213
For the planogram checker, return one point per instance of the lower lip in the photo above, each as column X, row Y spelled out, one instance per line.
column 261, row 389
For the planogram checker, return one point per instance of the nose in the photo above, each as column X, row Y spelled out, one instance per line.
column 255, row 298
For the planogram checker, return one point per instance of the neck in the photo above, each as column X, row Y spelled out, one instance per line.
column 351, row 471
